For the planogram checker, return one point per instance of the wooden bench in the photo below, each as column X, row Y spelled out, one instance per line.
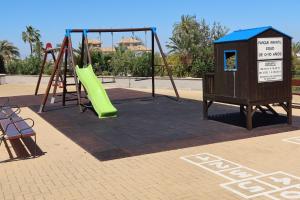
column 14, row 127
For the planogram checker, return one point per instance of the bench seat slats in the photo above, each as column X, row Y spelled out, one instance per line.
column 11, row 132
column 6, row 112
column 2, row 114
column 23, row 125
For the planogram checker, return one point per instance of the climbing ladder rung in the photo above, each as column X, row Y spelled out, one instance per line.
column 74, row 99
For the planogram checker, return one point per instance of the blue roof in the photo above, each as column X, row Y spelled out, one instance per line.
column 245, row 34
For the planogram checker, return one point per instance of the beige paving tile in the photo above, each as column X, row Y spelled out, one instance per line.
column 66, row 171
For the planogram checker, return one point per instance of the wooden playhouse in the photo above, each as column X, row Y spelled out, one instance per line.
column 252, row 70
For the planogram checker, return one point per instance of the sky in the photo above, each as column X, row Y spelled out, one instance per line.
column 53, row 17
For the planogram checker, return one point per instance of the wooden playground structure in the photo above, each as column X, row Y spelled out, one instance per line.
column 52, row 51
column 253, row 70
column 66, row 56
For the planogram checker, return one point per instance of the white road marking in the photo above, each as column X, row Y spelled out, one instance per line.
column 246, row 182
column 294, row 140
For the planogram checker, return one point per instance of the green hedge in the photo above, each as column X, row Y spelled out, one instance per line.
column 28, row 66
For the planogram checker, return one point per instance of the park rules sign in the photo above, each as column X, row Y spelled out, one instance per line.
column 269, row 71
column 269, row 59
column 269, row 48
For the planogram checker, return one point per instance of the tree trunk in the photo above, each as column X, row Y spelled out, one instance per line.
column 2, row 65
column 30, row 48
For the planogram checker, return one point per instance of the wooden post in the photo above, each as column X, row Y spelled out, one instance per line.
column 59, row 70
column 55, row 86
column 58, row 74
column 205, row 109
column 166, row 65
column 61, row 52
column 289, row 112
column 53, row 56
column 41, row 73
column 249, row 117
column 241, row 110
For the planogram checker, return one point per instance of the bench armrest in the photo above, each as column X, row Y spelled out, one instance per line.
column 9, row 124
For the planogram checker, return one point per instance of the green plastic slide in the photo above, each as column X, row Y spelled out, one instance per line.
column 96, row 93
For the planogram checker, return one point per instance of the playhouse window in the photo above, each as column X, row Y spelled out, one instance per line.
column 230, row 60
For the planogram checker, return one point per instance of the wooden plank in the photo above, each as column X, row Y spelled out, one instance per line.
column 42, row 67
column 10, row 130
column 261, row 109
column 289, row 112
column 166, row 66
column 249, row 117
column 205, row 109
column 271, row 109
column 60, row 55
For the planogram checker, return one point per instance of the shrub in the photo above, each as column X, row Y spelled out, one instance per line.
column 141, row 65
column 180, row 71
column 28, row 66
column 48, row 68
column 193, row 40
column 203, row 63
column 122, row 62
column 101, row 62
column 13, row 66
column 31, row 66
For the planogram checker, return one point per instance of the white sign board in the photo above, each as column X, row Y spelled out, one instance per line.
column 269, row 71
column 269, row 48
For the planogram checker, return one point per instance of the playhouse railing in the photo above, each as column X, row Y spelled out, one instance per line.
column 208, row 83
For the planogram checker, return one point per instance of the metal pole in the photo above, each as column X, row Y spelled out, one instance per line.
column 110, row 30
column 167, row 66
column 82, row 51
column 89, row 59
column 234, row 84
column 65, row 76
column 81, row 59
column 70, row 49
column 152, row 64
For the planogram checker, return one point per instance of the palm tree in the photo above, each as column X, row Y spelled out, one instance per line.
column 7, row 52
column 185, row 38
column 31, row 35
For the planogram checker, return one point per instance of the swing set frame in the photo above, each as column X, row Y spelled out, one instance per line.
column 66, row 53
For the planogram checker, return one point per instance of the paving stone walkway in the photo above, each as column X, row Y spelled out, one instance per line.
column 64, row 170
